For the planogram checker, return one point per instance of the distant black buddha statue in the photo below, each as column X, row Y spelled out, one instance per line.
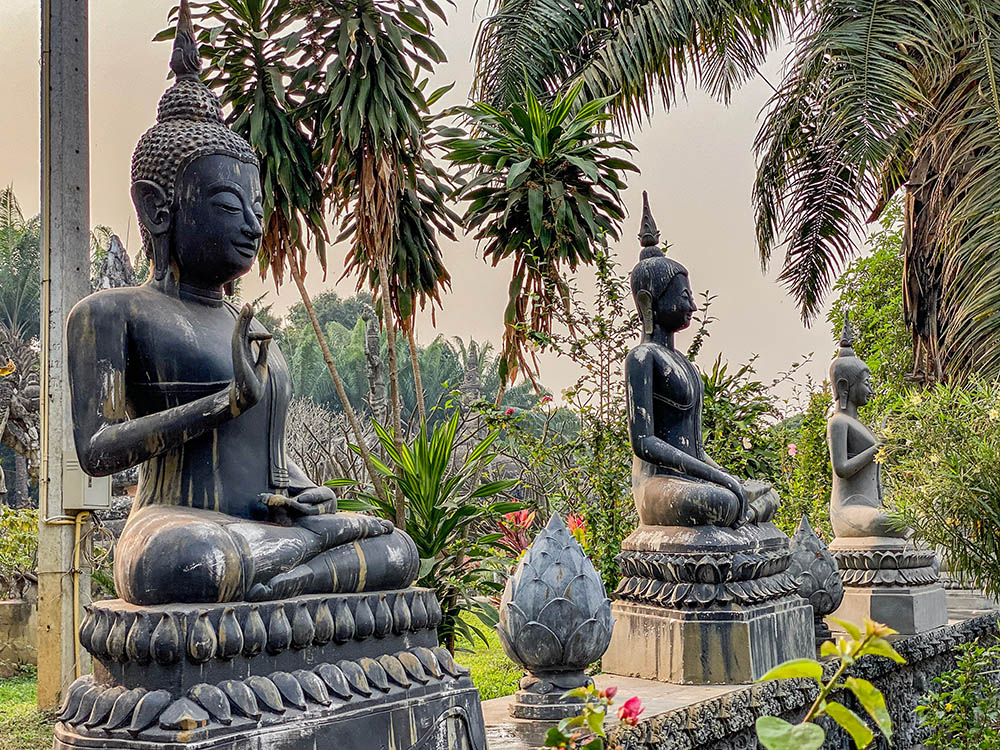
column 674, row 481
column 171, row 377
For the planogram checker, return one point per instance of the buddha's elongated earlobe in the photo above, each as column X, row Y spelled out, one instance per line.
column 645, row 304
column 843, row 392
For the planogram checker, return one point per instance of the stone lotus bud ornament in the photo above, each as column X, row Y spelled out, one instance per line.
column 819, row 579
column 555, row 620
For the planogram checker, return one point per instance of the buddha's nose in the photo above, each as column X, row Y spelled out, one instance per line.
column 252, row 228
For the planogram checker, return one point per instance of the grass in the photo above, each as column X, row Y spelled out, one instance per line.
column 494, row 674
column 22, row 725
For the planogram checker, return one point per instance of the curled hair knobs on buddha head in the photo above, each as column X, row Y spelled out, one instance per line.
column 653, row 273
column 189, row 124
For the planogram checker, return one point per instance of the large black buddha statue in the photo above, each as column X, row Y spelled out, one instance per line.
column 252, row 613
column 704, row 595
column 674, row 481
column 171, row 377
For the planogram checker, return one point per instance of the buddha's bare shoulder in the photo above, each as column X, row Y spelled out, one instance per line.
column 650, row 355
column 124, row 303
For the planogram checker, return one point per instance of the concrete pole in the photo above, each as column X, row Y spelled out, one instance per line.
column 65, row 279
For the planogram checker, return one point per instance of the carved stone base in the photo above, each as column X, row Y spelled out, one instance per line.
column 705, row 646
column 906, row 609
column 892, row 581
column 427, row 717
column 542, row 697
column 352, row 671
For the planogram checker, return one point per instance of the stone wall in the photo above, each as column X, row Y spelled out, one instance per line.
column 727, row 722
column 18, row 637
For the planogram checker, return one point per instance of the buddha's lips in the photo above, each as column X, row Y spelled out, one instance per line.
column 245, row 250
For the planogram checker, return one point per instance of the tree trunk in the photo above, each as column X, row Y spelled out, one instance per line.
column 22, row 495
column 338, row 384
column 394, row 400
column 418, row 384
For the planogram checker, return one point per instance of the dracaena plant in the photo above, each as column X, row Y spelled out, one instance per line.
column 778, row 734
column 547, row 194
column 448, row 504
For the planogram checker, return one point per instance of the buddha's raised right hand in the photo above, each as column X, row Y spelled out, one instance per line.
column 249, row 375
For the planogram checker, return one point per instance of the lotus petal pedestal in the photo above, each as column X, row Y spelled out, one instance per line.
column 706, row 605
column 891, row 581
column 354, row 671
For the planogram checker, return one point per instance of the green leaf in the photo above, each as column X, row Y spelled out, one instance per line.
column 872, row 700
column 535, row 197
column 850, row 628
column 777, row 734
column 851, row 723
column 555, row 738
column 829, row 648
column 809, row 668
column 882, row 647
column 517, row 170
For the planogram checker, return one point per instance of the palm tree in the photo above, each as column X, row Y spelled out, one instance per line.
column 635, row 51
column 881, row 98
column 19, row 264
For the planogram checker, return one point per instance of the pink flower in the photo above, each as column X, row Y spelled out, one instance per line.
column 546, row 399
column 609, row 692
column 630, row 710
column 509, row 412
column 793, row 450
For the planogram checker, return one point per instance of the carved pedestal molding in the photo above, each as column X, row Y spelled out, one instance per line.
column 346, row 668
column 707, row 605
column 891, row 581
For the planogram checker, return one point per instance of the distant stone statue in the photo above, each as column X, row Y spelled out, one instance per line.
column 856, row 503
column 171, row 377
column 706, row 567
column 674, row 481
column 887, row 578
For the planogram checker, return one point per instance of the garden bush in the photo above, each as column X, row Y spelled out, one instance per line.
column 18, row 550
column 941, row 453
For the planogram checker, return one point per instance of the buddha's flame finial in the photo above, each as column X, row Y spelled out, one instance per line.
column 649, row 235
column 847, row 336
column 185, row 61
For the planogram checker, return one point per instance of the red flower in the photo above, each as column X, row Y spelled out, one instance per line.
column 576, row 522
column 546, row 399
column 509, row 412
column 609, row 692
column 630, row 710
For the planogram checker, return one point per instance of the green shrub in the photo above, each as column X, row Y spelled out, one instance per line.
column 964, row 708
column 18, row 550
column 941, row 453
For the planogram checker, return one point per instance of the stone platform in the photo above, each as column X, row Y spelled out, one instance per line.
column 707, row 605
column 353, row 670
column 721, row 717
column 891, row 581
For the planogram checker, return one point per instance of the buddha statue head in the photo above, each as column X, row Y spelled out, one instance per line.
column 850, row 377
column 196, row 183
column 660, row 285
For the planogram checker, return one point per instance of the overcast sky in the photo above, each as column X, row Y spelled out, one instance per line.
column 697, row 164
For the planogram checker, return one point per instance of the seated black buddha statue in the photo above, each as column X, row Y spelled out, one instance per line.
column 674, row 481
column 171, row 377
